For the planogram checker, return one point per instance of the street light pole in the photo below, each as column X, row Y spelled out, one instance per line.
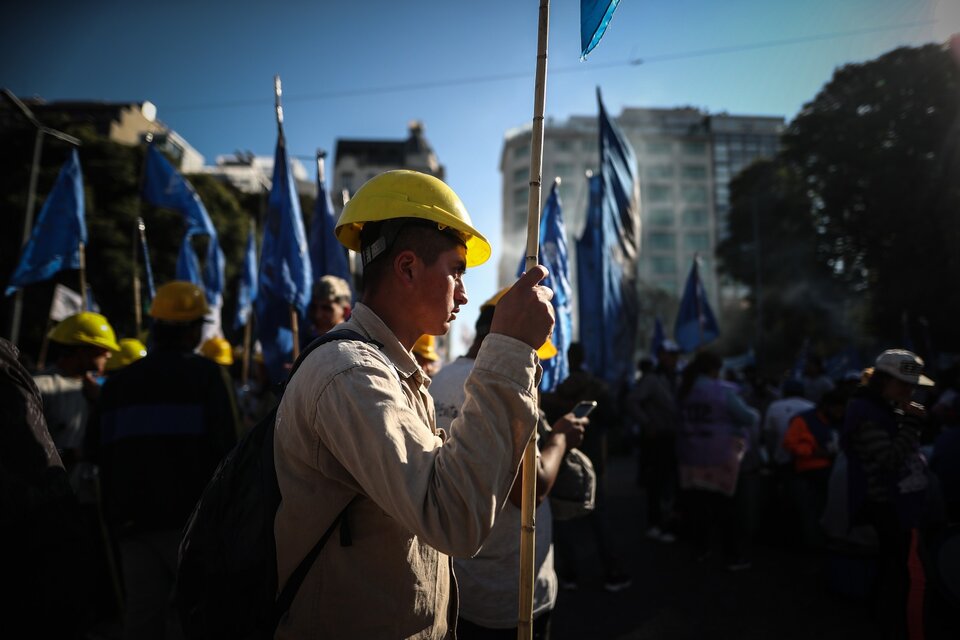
column 31, row 194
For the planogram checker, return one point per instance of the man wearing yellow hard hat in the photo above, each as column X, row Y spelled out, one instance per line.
column 356, row 425
column 84, row 342
column 425, row 352
column 166, row 421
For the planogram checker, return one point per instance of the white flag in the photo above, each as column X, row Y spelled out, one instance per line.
column 66, row 302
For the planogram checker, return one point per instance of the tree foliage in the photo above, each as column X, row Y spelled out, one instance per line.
column 861, row 210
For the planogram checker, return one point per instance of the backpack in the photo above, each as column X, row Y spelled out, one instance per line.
column 227, row 576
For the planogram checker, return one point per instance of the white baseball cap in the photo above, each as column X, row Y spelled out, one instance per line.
column 903, row 365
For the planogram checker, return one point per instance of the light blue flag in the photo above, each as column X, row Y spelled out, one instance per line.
column 595, row 16
column 607, row 255
column 248, row 282
column 54, row 243
column 327, row 256
column 696, row 325
column 163, row 186
column 553, row 255
column 285, row 277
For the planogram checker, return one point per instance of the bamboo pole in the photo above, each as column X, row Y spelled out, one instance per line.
column 137, row 309
column 295, row 328
column 247, row 331
column 529, row 496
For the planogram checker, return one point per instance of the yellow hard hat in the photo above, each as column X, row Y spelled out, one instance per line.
column 86, row 328
column 131, row 350
column 179, row 301
column 218, row 350
column 547, row 350
column 410, row 194
column 426, row 348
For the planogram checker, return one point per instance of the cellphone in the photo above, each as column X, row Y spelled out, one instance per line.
column 584, row 407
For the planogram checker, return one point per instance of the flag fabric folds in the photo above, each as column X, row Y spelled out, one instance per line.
column 595, row 17
column 696, row 325
column 163, row 186
column 327, row 256
column 54, row 243
column 285, row 277
column 553, row 255
column 607, row 255
column 66, row 302
column 248, row 281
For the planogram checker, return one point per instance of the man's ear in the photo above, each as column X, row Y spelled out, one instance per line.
column 406, row 267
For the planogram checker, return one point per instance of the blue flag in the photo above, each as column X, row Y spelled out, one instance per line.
column 163, row 186
column 553, row 255
column 658, row 337
column 595, row 16
column 327, row 255
column 696, row 324
column 285, row 277
column 248, row 281
column 55, row 240
column 607, row 255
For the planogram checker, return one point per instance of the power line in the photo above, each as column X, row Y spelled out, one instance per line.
column 450, row 82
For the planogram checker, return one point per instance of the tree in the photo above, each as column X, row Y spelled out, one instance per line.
column 876, row 150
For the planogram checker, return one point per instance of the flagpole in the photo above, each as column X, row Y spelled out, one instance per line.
column 137, row 311
column 696, row 297
column 294, row 320
column 83, row 277
column 529, row 494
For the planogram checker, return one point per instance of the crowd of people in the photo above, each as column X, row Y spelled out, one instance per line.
column 108, row 450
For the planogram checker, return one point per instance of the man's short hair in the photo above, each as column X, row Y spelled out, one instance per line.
column 423, row 237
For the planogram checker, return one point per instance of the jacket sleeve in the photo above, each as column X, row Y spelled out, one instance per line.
column 447, row 493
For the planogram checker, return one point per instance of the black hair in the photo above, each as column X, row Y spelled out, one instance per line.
column 423, row 237
column 703, row 363
column 168, row 335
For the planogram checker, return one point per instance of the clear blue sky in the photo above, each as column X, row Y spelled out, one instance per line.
column 209, row 67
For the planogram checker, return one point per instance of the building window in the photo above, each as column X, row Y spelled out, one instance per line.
column 659, row 148
column 661, row 217
column 663, row 264
column 563, row 145
column 659, row 171
column 659, row 193
column 662, row 240
column 346, row 179
column 694, row 172
column 695, row 217
column 696, row 242
column 694, row 148
column 520, row 196
column 521, row 175
column 523, row 151
column 666, row 284
column 590, row 145
column 694, row 194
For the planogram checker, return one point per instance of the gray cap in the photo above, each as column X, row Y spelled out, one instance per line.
column 903, row 365
column 332, row 288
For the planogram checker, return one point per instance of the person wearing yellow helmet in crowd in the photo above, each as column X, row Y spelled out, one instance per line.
column 425, row 352
column 356, row 425
column 330, row 305
column 83, row 343
column 488, row 583
column 130, row 351
column 165, row 422
column 219, row 350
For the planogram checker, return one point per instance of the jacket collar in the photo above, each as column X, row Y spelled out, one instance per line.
column 370, row 324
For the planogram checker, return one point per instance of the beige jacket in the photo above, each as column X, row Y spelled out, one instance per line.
column 358, row 420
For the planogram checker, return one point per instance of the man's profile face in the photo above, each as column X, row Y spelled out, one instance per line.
column 94, row 358
column 327, row 314
column 441, row 291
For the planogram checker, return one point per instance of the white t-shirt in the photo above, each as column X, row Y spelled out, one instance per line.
column 65, row 409
column 489, row 582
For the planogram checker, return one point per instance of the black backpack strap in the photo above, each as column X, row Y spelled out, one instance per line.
column 282, row 605
column 283, row 602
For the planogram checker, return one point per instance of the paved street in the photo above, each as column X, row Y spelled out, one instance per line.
column 675, row 598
